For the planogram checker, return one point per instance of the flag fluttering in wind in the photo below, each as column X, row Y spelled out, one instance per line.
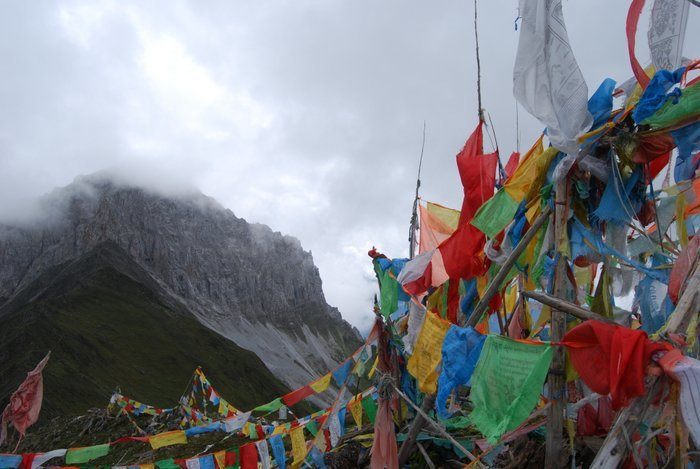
column 25, row 403
column 546, row 78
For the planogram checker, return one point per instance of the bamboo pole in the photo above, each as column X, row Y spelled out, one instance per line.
column 566, row 306
column 495, row 284
column 557, row 378
column 615, row 448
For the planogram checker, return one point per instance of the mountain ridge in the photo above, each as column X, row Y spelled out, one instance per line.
column 106, row 327
column 252, row 285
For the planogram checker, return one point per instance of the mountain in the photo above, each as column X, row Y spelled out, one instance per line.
column 251, row 285
column 108, row 323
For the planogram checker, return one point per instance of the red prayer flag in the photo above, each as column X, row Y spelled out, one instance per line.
column 512, row 163
column 249, row 456
column 632, row 21
column 611, row 359
column 296, row 396
column 25, row 403
column 460, row 252
column 477, row 173
column 231, row 458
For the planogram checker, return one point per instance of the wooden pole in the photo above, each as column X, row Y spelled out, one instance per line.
column 436, row 426
column 615, row 448
column 566, row 307
column 495, row 284
column 557, row 378
column 425, row 455
column 414, row 213
column 416, row 427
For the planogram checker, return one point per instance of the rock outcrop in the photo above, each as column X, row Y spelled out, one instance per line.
column 254, row 286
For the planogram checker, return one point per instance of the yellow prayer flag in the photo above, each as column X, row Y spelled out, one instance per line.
column 220, row 458
column 511, row 297
column 374, row 368
column 322, row 383
column 447, row 216
column 223, row 407
column 528, row 177
column 279, row 429
column 298, row 444
column 175, row 437
column 518, row 184
column 355, row 407
column 147, row 466
column 427, row 352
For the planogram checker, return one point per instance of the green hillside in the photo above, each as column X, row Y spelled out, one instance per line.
column 108, row 324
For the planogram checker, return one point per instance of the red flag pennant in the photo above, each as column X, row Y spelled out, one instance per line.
column 25, row 403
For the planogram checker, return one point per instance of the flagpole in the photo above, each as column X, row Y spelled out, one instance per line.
column 557, row 370
column 414, row 214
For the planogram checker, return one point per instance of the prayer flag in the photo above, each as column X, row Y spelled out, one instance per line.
column 298, row 395
column 203, row 462
column 24, row 406
column 322, row 383
column 460, row 352
column 547, row 81
column 264, row 453
column 427, row 352
column 666, row 34
column 298, row 444
column 175, row 437
column 355, row 407
column 270, row 406
column 278, row 451
column 507, row 384
column 86, row 454
column 249, row 456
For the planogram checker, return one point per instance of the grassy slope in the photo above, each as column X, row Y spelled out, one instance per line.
column 108, row 330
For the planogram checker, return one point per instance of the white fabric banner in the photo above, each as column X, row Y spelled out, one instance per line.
column 666, row 34
column 547, row 81
column 415, row 268
column 334, row 429
column 264, row 453
column 236, row 422
column 687, row 372
column 416, row 316
column 40, row 459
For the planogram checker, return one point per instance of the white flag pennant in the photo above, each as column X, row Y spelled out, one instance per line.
column 547, row 81
column 666, row 34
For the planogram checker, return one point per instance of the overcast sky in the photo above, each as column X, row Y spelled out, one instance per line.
column 304, row 115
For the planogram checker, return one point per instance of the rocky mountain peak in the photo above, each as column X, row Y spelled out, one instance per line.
column 250, row 284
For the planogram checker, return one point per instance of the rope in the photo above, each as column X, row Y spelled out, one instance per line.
column 478, row 63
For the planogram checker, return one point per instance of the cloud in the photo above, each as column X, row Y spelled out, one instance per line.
column 303, row 115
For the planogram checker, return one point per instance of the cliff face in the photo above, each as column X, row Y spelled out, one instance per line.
column 254, row 286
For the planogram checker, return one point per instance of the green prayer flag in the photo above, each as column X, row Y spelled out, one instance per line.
column 389, row 294
column 506, row 384
column 445, row 443
column 167, row 464
column 495, row 214
column 457, row 423
column 601, row 303
column 270, row 406
column 83, row 455
column 676, row 110
column 312, row 427
column 370, row 408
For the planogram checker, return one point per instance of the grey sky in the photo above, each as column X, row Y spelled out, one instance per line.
column 304, row 115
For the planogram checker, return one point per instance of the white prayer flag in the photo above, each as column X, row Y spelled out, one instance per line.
column 547, row 81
